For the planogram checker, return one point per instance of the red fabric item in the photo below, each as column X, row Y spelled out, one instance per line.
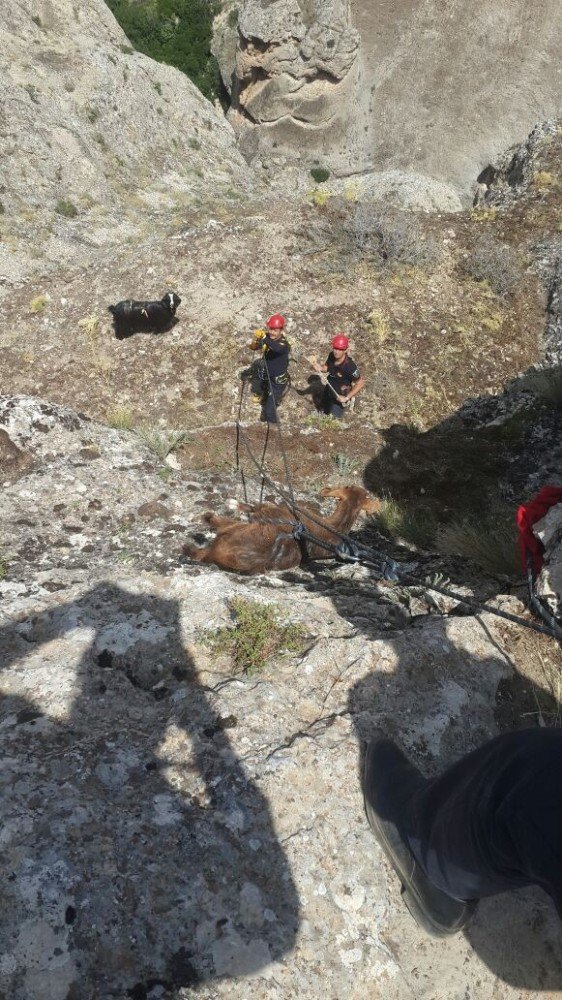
column 527, row 515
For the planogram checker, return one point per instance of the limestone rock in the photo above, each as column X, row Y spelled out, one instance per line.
column 98, row 142
column 170, row 827
column 367, row 88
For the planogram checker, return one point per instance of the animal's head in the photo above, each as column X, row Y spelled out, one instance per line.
column 172, row 301
column 356, row 495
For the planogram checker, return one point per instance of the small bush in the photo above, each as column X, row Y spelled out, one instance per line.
column 344, row 464
column 232, row 18
column 320, row 175
column 495, row 263
column 66, row 209
column 120, row 418
column 546, row 386
column 489, row 542
column 158, row 87
column 194, row 144
column 92, row 114
column 161, row 442
column 378, row 326
column 324, row 422
column 38, row 304
column 319, row 198
column 36, row 20
column 3, row 566
column 401, row 524
column 390, row 236
column 544, row 179
column 257, row 634
column 90, row 325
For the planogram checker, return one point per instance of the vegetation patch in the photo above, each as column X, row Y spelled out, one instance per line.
column 38, row 304
column 490, row 542
column 402, row 524
column 495, row 263
column 162, row 441
column 258, row 632
column 320, row 175
column 176, row 32
column 66, row 209
column 120, row 418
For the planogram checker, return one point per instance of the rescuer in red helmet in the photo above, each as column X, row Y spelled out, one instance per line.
column 270, row 378
column 344, row 379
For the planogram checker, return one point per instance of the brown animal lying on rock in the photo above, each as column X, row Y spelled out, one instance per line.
column 258, row 546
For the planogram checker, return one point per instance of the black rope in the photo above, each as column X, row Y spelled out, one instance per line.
column 238, row 466
column 350, row 551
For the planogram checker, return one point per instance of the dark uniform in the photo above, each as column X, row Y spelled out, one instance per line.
column 341, row 377
column 275, row 362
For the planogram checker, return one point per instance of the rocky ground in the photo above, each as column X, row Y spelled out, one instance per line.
column 174, row 828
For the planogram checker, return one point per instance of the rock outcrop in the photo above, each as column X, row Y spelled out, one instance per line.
column 170, row 825
column 99, row 144
column 410, row 87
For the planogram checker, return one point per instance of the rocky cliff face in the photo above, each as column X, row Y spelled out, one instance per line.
column 173, row 828
column 99, row 144
column 413, row 87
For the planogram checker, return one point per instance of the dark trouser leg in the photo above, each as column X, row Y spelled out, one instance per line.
column 493, row 821
column 257, row 378
column 269, row 409
column 330, row 404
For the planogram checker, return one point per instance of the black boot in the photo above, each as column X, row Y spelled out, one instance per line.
column 390, row 781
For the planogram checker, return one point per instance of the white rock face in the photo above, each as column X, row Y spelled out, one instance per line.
column 97, row 142
column 167, row 822
column 409, row 85
column 549, row 583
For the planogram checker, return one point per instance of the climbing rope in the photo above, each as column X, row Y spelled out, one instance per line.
column 348, row 550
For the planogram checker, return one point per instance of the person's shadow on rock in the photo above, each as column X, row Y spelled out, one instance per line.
column 128, row 862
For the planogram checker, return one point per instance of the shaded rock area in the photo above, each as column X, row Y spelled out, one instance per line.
column 174, row 829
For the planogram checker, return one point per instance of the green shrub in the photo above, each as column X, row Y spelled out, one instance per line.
column 320, row 174
column 232, row 18
column 399, row 523
column 490, row 542
column 120, row 418
column 175, row 32
column 256, row 635
column 38, row 303
column 546, row 386
column 161, row 441
column 496, row 263
column 66, row 208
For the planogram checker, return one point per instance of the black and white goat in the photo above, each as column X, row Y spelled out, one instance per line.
column 130, row 316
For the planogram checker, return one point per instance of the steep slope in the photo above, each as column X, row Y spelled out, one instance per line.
column 99, row 144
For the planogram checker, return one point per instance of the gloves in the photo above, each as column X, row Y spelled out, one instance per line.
column 256, row 343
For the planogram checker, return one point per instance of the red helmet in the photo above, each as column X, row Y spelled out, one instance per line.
column 341, row 343
column 276, row 322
